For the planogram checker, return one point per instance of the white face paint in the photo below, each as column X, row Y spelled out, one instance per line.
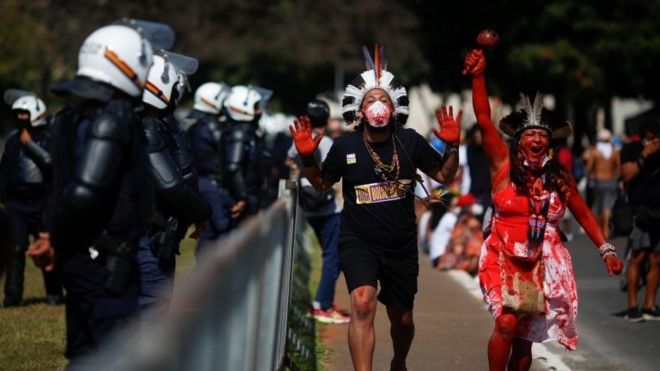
column 378, row 114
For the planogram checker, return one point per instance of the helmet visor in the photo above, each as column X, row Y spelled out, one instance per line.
column 159, row 35
column 12, row 95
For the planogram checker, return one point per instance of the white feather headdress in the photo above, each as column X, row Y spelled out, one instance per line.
column 375, row 77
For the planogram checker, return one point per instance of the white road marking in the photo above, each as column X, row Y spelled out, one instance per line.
column 541, row 353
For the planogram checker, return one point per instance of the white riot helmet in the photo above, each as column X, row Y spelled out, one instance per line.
column 210, row 96
column 245, row 103
column 167, row 79
column 117, row 55
column 26, row 101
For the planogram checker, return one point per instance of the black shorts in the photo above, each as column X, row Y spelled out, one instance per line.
column 362, row 265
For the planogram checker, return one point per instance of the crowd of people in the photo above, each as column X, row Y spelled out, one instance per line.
column 109, row 186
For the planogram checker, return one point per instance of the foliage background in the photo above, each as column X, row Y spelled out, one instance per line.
column 583, row 52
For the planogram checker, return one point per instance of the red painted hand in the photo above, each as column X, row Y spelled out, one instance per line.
column 475, row 63
column 614, row 265
column 450, row 127
column 301, row 131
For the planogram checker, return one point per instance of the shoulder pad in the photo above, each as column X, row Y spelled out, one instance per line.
column 239, row 134
column 153, row 135
column 110, row 127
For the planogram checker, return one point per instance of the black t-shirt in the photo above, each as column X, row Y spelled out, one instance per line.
column 644, row 189
column 374, row 213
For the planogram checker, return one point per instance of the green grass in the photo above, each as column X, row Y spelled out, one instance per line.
column 32, row 336
column 314, row 279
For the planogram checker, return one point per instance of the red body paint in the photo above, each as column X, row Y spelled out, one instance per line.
column 509, row 229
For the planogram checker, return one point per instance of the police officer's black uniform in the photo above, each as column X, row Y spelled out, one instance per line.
column 206, row 140
column 178, row 204
column 244, row 164
column 103, row 201
column 25, row 177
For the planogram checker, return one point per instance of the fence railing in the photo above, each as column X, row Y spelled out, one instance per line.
column 231, row 313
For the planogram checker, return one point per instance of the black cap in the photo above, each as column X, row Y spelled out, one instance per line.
column 318, row 112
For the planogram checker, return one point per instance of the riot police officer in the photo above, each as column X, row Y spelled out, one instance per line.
column 25, row 177
column 206, row 141
column 102, row 189
column 175, row 180
column 244, row 164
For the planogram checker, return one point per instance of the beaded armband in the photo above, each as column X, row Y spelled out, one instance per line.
column 606, row 249
column 450, row 150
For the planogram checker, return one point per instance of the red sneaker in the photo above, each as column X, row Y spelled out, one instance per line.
column 330, row 315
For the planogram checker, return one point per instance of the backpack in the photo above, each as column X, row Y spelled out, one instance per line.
column 311, row 199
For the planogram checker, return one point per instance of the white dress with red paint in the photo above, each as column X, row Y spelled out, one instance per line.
column 509, row 232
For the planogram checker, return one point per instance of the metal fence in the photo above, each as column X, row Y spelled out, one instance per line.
column 231, row 313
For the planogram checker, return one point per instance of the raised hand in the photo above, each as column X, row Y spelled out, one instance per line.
column 475, row 63
column 301, row 131
column 450, row 127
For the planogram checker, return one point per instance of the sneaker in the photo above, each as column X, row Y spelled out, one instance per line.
column 330, row 315
column 652, row 314
column 634, row 315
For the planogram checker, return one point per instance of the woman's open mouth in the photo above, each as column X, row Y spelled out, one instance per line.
column 536, row 149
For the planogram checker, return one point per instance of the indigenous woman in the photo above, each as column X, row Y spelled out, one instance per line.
column 525, row 270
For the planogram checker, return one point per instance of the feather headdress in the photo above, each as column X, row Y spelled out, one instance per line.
column 534, row 116
column 375, row 77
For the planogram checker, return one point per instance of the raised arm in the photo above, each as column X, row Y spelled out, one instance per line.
column 301, row 131
column 494, row 146
column 38, row 154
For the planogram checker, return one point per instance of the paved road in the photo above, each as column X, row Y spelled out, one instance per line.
column 453, row 328
column 607, row 342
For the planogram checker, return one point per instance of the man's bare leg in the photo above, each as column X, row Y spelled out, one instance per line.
column 652, row 280
column 605, row 216
column 634, row 267
column 402, row 331
column 361, row 334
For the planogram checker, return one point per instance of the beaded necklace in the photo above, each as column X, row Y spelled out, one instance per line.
column 389, row 174
column 538, row 215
